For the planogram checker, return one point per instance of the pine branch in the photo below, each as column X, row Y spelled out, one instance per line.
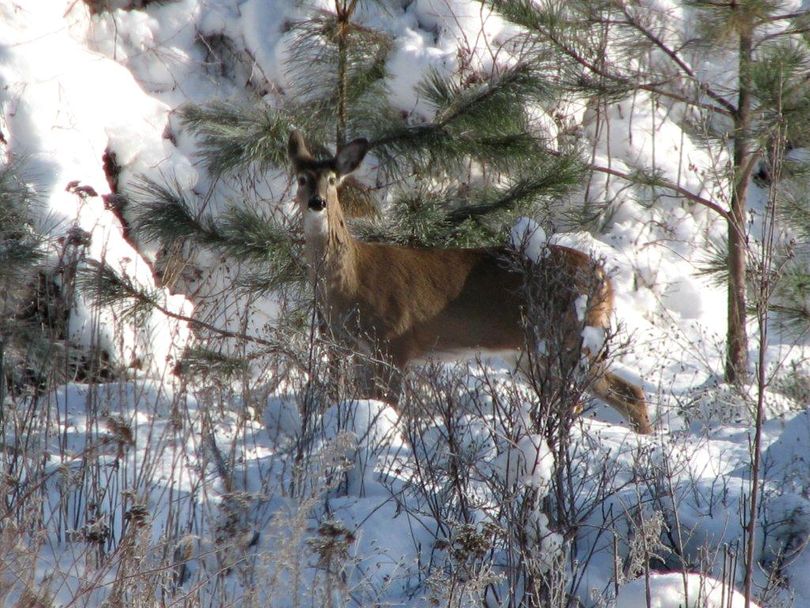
column 643, row 178
column 597, row 80
column 246, row 234
column 234, row 138
column 497, row 98
column 199, row 361
column 19, row 255
column 473, row 215
column 337, row 68
column 106, row 288
column 550, row 181
column 484, row 121
column 673, row 55
column 791, row 302
column 243, row 233
column 20, row 244
column 164, row 215
column 781, row 82
column 795, row 211
column 33, row 349
column 714, row 263
column 417, row 217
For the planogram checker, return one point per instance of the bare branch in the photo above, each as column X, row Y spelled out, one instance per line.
column 690, row 196
column 650, row 87
column 677, row 60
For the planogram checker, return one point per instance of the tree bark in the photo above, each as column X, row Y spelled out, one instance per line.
column 344, row 11
column 736, row 369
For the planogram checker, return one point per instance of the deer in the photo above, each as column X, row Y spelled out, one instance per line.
column 405, row 304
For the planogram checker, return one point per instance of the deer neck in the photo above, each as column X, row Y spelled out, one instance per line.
column 331, row 252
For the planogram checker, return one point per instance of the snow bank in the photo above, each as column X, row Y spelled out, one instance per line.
column 75, row 86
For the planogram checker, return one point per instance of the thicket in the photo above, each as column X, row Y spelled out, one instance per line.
column 478, row 446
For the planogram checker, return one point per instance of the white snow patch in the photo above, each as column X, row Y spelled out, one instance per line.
column 409, row 62
column 581, row 306
column 529, row 238
column 282, row 416
column 528, row 463
column 593, row 339
column 679, row 591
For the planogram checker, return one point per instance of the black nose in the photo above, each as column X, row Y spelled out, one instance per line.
column 316, row 203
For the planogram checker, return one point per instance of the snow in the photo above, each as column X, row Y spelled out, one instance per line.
column 369, row 425
column 534, row 462
column 76, row 86
column 679, row 591
column 529, row 238
column 412, row 56
column 593, row 339
column 282, row 417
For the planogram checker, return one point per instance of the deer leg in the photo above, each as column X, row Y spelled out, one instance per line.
column 378, row 378
column 389, row 382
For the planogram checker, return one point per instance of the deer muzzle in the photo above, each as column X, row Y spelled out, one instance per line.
column 317, row 203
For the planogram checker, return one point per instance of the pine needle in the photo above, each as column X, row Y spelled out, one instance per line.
column 234, row 138
column 105, row 288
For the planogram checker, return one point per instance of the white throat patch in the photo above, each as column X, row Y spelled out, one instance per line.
column 316, row 224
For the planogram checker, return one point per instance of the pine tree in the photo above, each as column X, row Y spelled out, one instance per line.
column 609, row 49
column 458, row 178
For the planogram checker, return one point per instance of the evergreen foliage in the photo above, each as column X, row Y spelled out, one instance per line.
column 107, row 288
column 199, row 361
column 792, row 301
column 20, row 243
column 780, row 80
column 166, row 215
column 235, row 138
column 464, row 214
column 32, row 316
column 337, row 68
column 484, row 121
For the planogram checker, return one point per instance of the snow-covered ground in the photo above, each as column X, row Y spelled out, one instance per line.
column 77, row 86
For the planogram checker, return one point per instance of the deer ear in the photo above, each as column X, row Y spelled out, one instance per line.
column 297, row 147
column 350, row 156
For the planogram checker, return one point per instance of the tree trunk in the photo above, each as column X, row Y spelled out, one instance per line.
column 342, row 86
column 344, row 11
column 737, row 338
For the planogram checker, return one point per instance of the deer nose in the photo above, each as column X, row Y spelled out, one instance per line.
column 317, row 203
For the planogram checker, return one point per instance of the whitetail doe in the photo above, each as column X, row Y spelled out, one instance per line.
column 403, row 303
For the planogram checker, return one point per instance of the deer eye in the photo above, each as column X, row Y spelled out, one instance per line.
column 302, row 180
column 332, row 180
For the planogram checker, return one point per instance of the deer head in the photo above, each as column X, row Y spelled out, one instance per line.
column 318, row 182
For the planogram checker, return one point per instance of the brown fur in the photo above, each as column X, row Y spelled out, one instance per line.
column 406, row 303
